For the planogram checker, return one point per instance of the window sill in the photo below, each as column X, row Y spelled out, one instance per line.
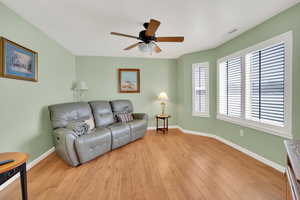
column 274, row 130
column 200, row 115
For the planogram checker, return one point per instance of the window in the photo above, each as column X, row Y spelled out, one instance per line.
column 200, row 79
column 230, row 87
column 254, row 86
column 265, row 85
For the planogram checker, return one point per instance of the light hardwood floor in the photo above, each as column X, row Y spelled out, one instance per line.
column 158, row 167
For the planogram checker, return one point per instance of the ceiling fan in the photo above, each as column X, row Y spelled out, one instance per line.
column 148, row 38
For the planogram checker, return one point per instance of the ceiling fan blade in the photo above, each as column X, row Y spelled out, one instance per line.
column 169, row 39
column 157, row 49
column 132, row 46
column 124, row 35
column 152, row 27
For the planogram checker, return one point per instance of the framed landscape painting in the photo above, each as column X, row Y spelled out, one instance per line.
column 17, row 62
column 129, row 80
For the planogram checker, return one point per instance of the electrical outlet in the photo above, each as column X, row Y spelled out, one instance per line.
column 241, row 132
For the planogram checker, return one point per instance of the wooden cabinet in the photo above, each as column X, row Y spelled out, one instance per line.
column 292, row 170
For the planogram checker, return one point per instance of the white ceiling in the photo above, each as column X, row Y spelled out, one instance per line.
column 83, row 26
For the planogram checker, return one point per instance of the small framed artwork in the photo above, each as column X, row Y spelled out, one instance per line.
column 17, row 62
column 129, row 80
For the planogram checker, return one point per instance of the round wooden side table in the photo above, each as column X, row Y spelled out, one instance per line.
column 10, row 169
column 165, row 119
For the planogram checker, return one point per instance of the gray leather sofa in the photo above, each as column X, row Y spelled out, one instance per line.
column 108, row 134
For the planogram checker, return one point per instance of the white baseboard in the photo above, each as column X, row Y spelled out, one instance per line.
column 196, row 133
column 29, row 166
column 239, row 148
column 153, row 127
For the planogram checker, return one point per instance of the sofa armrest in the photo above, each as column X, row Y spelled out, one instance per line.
column 64, row 140
column 140, row 116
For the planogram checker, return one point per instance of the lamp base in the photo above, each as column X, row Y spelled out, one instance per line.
column 163, row 106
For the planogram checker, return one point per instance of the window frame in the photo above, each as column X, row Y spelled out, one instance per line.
column 194, row 113
column 286, row 130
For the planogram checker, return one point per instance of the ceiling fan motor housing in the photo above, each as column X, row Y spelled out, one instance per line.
column 146, row 24
column 145, row 38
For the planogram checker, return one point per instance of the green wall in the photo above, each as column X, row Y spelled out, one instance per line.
column 24, row 119
column 264, row 144
column 184, row 92
column 157, row 75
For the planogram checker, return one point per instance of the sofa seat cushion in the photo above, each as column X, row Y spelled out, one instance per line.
column 93, row 144
column 120, row 134
column 138, row 128
column 137, row 124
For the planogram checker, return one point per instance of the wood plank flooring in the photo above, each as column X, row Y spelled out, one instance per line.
column 175, row 166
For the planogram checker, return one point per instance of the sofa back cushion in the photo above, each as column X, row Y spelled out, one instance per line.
column 62, row 114
column 102, row 112
column 121, row 106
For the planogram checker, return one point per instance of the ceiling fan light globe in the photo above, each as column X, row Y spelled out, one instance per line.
column 151, row 46
column 147, row 48
column 144, row 48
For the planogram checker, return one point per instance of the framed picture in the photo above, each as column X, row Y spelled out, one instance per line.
column 129, row 80
column 17, row 62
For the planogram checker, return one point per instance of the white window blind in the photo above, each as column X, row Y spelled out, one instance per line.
column 230, row 87
column 200, row 81
column 255, row 86
column 265, row 85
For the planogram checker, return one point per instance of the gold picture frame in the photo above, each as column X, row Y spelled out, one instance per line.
column 17, row 62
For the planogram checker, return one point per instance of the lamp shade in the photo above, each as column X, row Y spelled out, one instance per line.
column 163, row 96
column 80, row 85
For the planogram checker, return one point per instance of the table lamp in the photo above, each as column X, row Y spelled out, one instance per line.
column 163, row 97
